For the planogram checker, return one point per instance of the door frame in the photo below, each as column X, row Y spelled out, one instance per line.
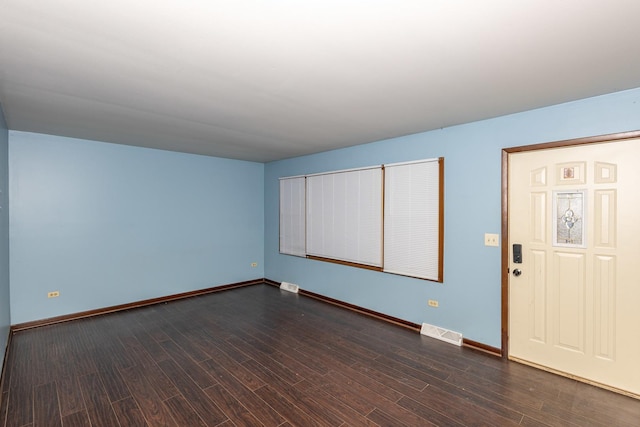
column 621, row 136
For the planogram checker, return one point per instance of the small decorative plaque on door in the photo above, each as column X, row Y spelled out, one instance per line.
column 569, row 224
column 572, row 173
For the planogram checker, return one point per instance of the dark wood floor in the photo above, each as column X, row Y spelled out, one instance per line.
column 258, row 356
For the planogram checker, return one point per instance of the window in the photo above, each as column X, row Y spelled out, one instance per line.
column 344, row 216
column 387, row 218
column 412, row 205
column 292, row 216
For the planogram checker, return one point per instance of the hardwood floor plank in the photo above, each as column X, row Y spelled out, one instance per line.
column 147, row 398
column 114, row 385
column 514, row 375
column 96, row 401
column 283, row 358
column 78, row 362
column 69, row 394
column 301, row 397
column 287, row 409
column 350, row 416
column 336, row 347
column 384, row 419
column 416, row 379
column 258, row 407
column 345, row 395
column 46, row 408
column 376, row 400
column 238, row 370
column 394, row 386
column 327, row 354
column 77, row 419
column 360, row 351
column 10, row 364
column 230, row 350
column 188, row 365
column 128, row 413
column 158, row 334
column 20, row 374
column 523, row 400
column 198, row 399
column 369, row 379
column 232, row 408
column 309, row 369
column 266, row 376
column 20, row 406
column 136, row 350
column 308, row 360
column 441, row 368
column 164, row 387
column 411, row 375
column 568, row 414
column 512, row 404
column 4, row 404
column 183, row 412
column 265, row 359
column 173, row 332
column 457, row 408
column 157, row 353
column 116, row 355
column 598, row 404
column 546, row 421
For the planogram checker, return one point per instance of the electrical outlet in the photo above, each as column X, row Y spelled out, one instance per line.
column 491, row 239
column 433, row 303
column 254, row 264
column 53, row 294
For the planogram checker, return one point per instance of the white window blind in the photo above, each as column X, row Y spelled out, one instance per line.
column 412, row 219
column 292, row 216
column 340, row 215
column 344, row 216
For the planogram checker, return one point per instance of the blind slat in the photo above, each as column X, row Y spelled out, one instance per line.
column 344, row 219
column 292, row 216
column 411, row 220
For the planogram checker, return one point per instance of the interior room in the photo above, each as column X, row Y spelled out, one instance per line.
column 142, row 146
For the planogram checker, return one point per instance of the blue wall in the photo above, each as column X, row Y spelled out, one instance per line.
column 470, row 295
column 5, row 312
column 109, row 224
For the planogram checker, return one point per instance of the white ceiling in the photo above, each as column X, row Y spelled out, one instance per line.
column 269, row 79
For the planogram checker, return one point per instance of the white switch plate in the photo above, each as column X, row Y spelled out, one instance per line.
column 491, row 239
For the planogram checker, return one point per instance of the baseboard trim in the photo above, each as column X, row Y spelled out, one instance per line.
column 494, row 351
column 362, row 310
column 409, row 325
column 100, row 311
column 272, row 283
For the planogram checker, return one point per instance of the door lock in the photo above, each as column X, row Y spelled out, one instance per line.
column 517, row 253
column 517, row 272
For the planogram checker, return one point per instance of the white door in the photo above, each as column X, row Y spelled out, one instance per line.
column 575, row 307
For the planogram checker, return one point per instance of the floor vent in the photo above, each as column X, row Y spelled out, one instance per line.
column 441, row 334
column 289, row 287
